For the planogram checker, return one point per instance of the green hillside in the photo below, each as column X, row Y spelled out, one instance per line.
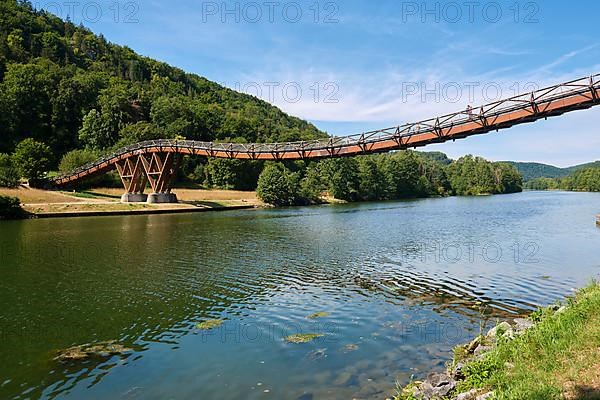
column 65, row 86
column 531, row 170
column 595, row 164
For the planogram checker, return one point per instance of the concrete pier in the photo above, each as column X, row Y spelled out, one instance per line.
column 152, row 198
column 161, row 198
column 134, row 198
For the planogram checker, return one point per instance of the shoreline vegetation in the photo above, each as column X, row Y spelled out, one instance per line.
column 583, row 180
column 553, row 354
column 393, row 176
column 396, row 176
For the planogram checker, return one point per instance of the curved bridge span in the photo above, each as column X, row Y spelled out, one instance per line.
column 155, row 162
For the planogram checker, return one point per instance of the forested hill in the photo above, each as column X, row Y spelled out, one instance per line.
column 531, row 170
column 595, row 164
column 65, row 86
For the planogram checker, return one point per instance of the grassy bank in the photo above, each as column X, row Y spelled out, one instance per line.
column 107, row 200
column 557, row 358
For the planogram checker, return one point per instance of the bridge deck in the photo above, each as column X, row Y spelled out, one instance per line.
column 548, row 102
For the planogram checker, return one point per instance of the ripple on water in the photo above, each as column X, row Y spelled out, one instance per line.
column 390, row 306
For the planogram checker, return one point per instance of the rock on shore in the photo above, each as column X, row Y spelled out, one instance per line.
column 443, row 385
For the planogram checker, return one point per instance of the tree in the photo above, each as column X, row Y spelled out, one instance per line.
column 312, row 185
column 62, row 85
column 543, row 184
column 510, row 180
column 139, row 132
column 75, row 159
column 278, row 186
column 95, row 132
column 16, row 44
column 10, row 207
column 26, row 90
column 587, row 180
column 435, row 173
column 342, row 177
column 32, row 159
column 372, row 179
column 401, row 171
column 474, row 176
column 486, row 182
column 9, row 176
column 76, row 95
column 232, row 174
column 172, row 114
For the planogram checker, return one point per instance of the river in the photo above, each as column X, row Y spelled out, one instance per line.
column 401, row 283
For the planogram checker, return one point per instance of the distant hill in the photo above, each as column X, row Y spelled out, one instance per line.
column 531, row 170
column 595, row 164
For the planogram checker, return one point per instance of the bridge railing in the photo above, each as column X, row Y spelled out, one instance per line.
column 534, row 99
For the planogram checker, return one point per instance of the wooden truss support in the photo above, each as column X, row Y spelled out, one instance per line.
column 158, row 169
column 132, row 175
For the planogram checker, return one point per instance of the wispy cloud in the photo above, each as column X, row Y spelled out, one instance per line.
column 564, row 58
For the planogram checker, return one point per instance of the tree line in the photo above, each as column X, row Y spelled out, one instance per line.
column 400, row 175
column 582, row 180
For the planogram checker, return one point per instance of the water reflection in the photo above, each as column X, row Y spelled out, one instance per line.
column 397, row 294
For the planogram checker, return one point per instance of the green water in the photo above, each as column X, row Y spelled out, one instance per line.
column 401, row 283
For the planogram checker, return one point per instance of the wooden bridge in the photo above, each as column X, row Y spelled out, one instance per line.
column 156, row 162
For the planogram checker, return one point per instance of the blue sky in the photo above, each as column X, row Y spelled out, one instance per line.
column 349, row 66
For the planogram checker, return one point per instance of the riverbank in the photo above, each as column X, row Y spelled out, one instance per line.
column 106, row 202
column 554, row 354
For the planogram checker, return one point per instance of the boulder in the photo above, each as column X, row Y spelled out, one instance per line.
column 499, row 330
column 509, row 334
column 437, row 385
column 522, row 325
column 486, row 396
column 457, row 370
column 481, row 350
column 470, row 395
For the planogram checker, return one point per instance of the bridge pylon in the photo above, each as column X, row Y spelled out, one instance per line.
column 156, row 169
